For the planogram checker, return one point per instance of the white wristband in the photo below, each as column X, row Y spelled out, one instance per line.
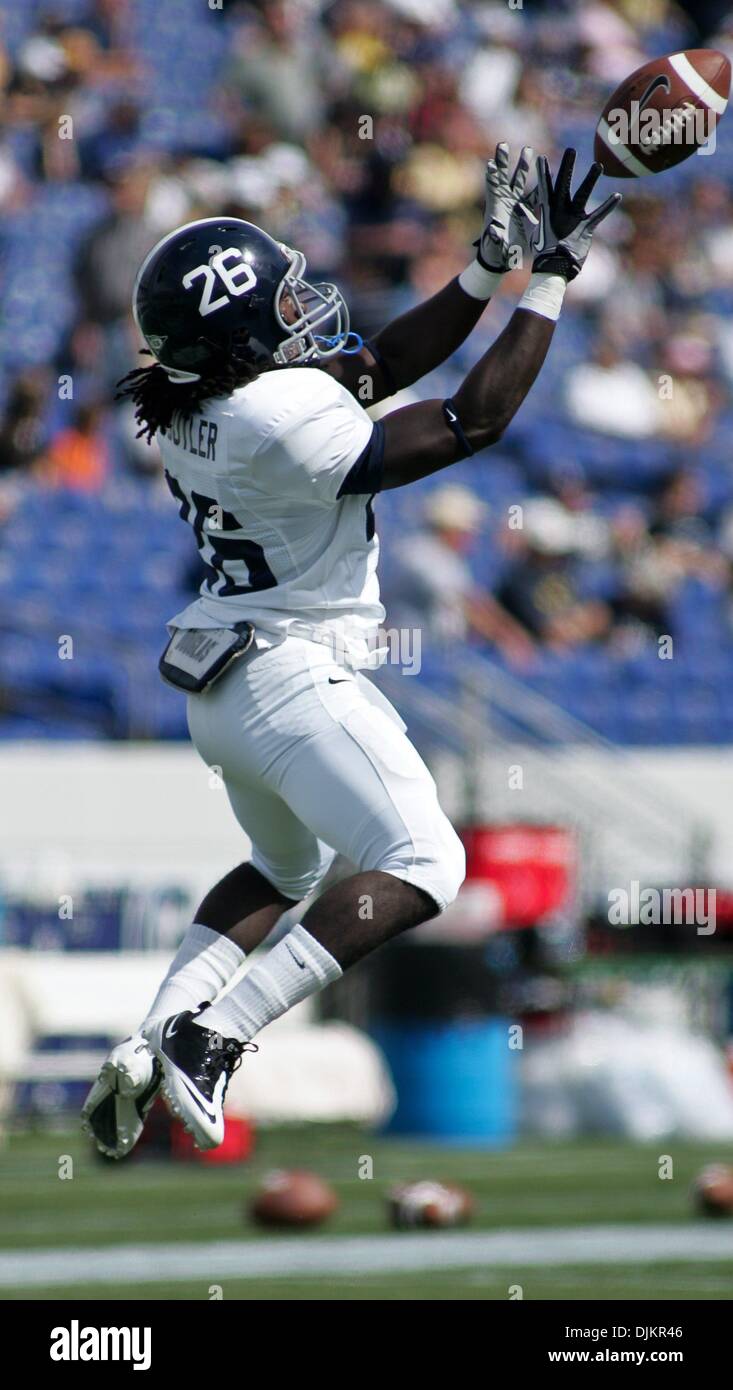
column 479, row 282
column 544, row 295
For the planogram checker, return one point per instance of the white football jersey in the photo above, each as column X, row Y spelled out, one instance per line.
column 259, row 476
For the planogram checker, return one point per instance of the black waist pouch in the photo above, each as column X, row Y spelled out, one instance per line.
column 197, row 656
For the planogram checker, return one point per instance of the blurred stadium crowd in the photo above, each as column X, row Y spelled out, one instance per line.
column 123, row 118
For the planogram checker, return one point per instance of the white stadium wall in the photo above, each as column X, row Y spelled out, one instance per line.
column 116, row 814
column 73, row 814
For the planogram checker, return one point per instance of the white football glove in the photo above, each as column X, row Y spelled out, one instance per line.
column 505, row 231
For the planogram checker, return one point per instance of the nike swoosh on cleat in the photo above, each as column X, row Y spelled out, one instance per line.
column 210, row 1114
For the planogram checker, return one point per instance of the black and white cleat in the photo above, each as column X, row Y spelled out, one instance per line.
column 114, row 1111
column 197, row 1068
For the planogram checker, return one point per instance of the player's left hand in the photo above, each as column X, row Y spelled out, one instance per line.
column 504, row 231
column 561, row 237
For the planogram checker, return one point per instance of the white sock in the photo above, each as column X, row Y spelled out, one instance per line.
column 298, row 966
column 203, row 964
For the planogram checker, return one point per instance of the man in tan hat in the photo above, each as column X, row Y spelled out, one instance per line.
column 433, row 589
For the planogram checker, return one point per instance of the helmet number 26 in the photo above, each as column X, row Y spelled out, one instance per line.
column 236, row 279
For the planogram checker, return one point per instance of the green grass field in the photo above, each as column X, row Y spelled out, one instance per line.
column 528, row 1187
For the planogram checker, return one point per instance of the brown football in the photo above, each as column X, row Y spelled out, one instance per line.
column 429, row 1203
column 662, row 113
column 292, row 1198
column 713, row 1190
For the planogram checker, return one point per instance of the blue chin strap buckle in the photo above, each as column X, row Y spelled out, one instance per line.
column 339, row 340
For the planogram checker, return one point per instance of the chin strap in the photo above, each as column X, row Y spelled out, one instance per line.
column 335, row 340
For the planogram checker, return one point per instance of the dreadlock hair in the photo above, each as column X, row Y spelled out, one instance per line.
column 156, row 397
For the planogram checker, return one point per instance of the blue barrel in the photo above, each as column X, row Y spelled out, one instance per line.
column 456, row 1081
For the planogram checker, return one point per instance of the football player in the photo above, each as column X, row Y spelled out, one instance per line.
column 257, row 395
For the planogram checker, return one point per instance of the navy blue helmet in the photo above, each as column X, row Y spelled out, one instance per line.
column 221, row 291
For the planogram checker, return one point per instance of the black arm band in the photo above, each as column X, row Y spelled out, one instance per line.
column 389, row 380
column 451, row 419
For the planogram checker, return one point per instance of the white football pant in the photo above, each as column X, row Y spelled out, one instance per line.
column 315, row 760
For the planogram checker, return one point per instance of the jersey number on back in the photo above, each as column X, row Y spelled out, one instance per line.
column 219, row 551
column 237, row 279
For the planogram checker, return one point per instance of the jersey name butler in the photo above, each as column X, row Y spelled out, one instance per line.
column 196, row 435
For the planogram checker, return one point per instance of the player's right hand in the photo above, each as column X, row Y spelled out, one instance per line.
column 559, row 229
column 503, row 230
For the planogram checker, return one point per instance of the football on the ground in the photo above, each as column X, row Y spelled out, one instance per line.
column 292, row 1198
column 429, row 1203
column 713, row 1190
column 662, row 113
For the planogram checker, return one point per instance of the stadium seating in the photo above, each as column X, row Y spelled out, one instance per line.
column 109, row 569
column 110, row 686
